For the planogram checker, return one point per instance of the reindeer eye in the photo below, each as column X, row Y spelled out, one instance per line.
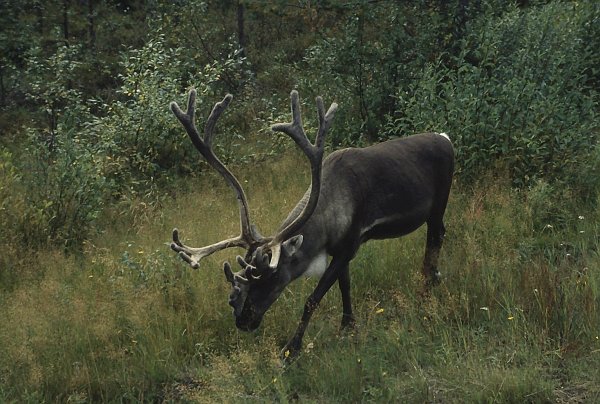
column 234, row 294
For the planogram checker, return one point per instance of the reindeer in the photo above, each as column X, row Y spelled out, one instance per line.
column 386, row 190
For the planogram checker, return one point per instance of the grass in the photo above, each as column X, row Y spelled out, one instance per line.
column 516, row 318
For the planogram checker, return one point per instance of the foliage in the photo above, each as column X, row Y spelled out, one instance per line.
column 480, row 71
column 515, row 319
column 93, row 162
column 64, row 190
column 62, row 180
column 10, row 211
column 76, row 162
column 516, row 96
column 149, row 142
column 142, row 126
column 8, row 179
column 363, row 63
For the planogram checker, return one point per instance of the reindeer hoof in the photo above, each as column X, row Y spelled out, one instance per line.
column 348, row 322
column 434, row 279
column 289, row 353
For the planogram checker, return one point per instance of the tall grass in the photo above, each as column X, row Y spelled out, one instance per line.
column 516, row 319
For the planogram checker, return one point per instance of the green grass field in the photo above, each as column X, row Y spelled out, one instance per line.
column 516, row 318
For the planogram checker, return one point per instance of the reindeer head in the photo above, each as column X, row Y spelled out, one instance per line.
column 262, row 276
column 256, row 286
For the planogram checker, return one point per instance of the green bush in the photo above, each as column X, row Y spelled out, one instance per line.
column 148, row 139
column 8, row 179
column 10, row 210
column 359, row 64
column 62, row 180
column 517, row 96
column 65, row 190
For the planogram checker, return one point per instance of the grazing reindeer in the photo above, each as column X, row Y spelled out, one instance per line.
column 383, row 191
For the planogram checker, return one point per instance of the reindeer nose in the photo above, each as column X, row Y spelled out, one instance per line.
column 247, row 324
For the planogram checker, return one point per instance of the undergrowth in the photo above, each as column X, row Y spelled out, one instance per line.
column 515, row 319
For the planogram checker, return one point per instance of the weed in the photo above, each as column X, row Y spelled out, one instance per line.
column 515, row 319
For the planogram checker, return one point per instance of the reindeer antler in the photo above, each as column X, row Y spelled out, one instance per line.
column 248, row 234
column 314, row 153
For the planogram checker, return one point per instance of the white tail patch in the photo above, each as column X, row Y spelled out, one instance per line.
column 444, row 135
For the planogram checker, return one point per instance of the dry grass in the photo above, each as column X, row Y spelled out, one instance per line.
column 516, row 318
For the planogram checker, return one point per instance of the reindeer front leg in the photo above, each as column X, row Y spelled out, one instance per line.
column 332, row 273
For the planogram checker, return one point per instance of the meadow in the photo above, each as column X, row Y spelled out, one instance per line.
column 95, row 172
column 516, row 318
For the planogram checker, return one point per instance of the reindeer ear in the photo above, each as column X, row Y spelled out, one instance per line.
column 292, row 245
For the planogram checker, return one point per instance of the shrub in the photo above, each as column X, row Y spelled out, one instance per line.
column 360, row 65
column 517, row 96
column 10, row 207
column 62, row 181
column 64, row 189
column 149, row 141
column 75, row 162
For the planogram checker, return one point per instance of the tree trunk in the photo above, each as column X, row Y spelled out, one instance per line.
column 242, row 38
column 2, row 89
column 460, row 18
column 66, row 4
column 39, row 13
column 91, row 26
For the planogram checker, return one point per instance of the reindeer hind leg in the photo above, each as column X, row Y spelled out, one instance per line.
column 435, row 237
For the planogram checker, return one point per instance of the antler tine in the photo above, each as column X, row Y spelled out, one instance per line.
column 295, row 130
column 325, row 121
column 193, row 255
column 314, row 153
column 248, row 234
column 209, row 128
column 187, row 119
